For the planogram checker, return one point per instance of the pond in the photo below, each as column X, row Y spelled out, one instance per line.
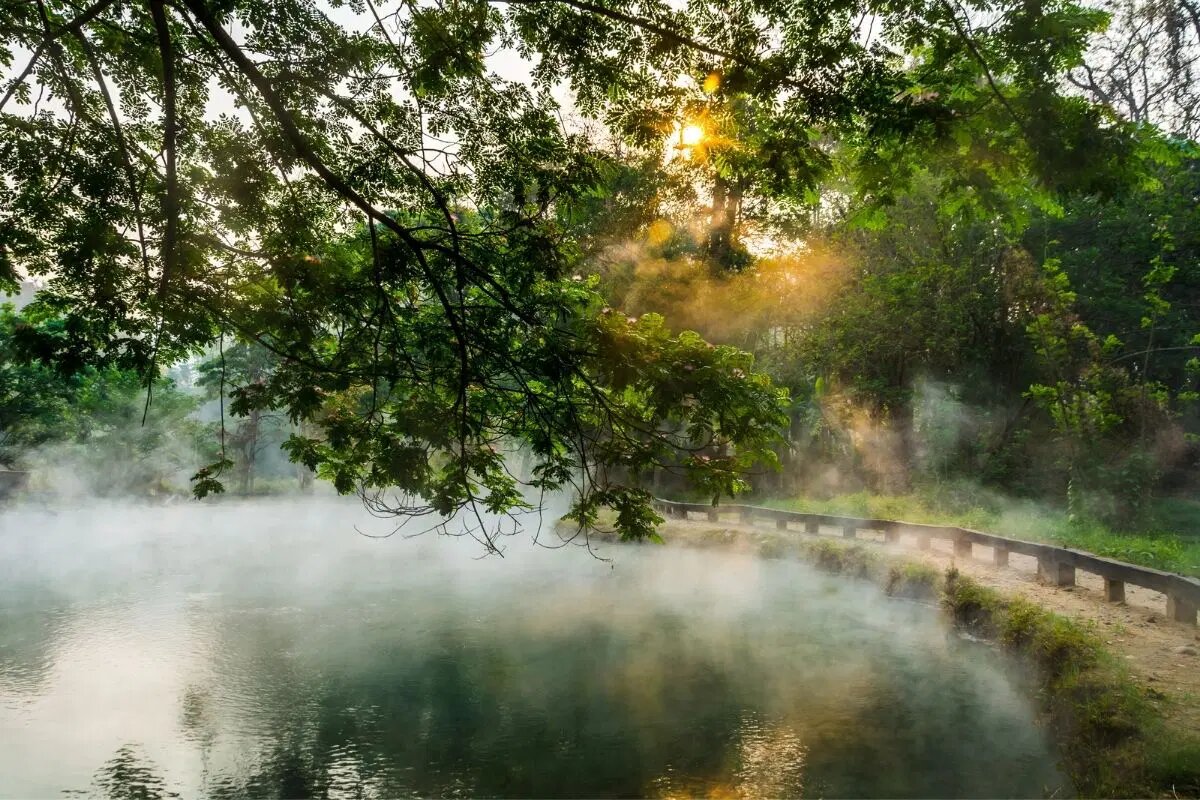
column 271, row 650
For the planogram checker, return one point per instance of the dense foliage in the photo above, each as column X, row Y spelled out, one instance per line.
column 426, row 267
column 90, row 428
column 1054, row 359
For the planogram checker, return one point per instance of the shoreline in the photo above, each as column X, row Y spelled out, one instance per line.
column 1119, row 684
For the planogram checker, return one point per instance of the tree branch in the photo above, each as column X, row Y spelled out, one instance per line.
column 74, row 26
column 335, row 182
column 168, row 248
column 657, row 29
column 118, row 132
column 965, row 35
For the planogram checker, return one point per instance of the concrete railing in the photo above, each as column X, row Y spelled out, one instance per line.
column 1055, row 564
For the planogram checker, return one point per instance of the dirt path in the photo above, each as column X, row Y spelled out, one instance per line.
column 1164, row 655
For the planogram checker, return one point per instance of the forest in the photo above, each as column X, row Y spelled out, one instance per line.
column 932, row 257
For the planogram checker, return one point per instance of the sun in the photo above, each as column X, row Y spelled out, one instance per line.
column 691, row 135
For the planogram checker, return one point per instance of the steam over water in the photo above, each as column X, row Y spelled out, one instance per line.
column 269, row 650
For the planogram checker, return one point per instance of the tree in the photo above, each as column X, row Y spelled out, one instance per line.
column 1118, row 349
column 34, row 399
column 386, row 215
column 92, row 421
column 236, row 372
column 1145, row 65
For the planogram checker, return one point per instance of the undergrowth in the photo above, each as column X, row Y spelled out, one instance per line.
column 1112, row 736
column 899, row 579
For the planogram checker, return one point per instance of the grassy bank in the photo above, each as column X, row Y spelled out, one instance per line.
column 1167, row 542
column 1111, row 731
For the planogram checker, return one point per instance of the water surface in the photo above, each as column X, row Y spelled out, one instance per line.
column 270, row 650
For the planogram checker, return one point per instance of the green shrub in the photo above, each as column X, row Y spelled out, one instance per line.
column 913, row 580
column 841, row 559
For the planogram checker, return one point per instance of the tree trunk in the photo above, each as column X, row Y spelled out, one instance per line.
column 722, row 232
column 303, row 474
column 250, row 451
column 904, row 422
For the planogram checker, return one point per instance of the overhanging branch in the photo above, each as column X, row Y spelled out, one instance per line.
column 74, row 26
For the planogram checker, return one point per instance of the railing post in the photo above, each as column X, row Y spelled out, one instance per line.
column 962, row 547
column 1045, row 569
column 923, row 541
column 812, row 527
column 999, row 555
column 891, row 535
column 745, row 515
column 712, row 515
column 781, row 524
column 1114, row 590
column 1055, row 572
column 848, row 531
column 1180, row 609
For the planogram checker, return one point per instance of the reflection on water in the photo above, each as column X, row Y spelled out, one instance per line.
column 269, row 651
column 126, row 776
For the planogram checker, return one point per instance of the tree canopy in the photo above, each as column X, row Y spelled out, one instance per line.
column 352, row 187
